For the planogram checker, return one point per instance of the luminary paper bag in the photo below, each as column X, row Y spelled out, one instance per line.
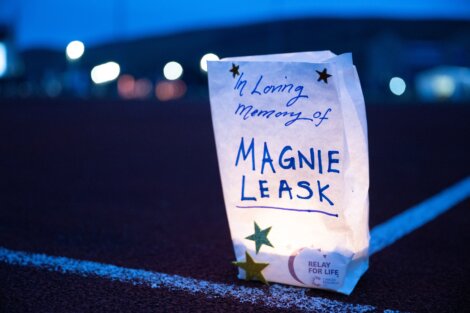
column 291, row 137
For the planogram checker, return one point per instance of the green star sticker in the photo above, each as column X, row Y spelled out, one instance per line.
column 252, row 269
column 260, row 237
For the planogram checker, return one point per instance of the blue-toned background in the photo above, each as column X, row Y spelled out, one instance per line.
column 52, row 23
column 405, row 50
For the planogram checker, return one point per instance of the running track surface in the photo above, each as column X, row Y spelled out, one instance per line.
column 136, row 185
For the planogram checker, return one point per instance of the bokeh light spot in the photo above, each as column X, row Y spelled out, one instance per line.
column 126, row 85
column 143, row 88
column 75, row 50
column 170, row 90
column 208, row 57
column 105, row 72
column 172, row 70
column 3, row 59
column 397, row 86
column 443, row 86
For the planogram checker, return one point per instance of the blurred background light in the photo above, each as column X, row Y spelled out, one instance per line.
column 143, row 88
column 126, row 85
column 170, row 90
column 208, row 57
column 105, row 72
column 397, row 86
column 3, row 59
column 172, row 70
column 75, row 50
column 443, row 85
column 142, row 36
column 130, row 88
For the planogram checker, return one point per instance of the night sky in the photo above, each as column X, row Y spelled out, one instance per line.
column 53, row 23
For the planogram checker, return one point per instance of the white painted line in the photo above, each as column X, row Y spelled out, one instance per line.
column 275, row 296
column 402, row 224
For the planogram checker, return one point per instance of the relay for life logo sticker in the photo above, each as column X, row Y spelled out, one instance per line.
column 310, row 266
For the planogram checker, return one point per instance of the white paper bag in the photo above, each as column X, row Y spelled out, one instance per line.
column 291, row 137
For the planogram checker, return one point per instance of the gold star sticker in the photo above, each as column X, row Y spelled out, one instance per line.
column 323, row 75
column 234, row 70
column 260, row 237
column 252, row 269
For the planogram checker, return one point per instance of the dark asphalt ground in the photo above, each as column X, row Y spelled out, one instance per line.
column 137, row 185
